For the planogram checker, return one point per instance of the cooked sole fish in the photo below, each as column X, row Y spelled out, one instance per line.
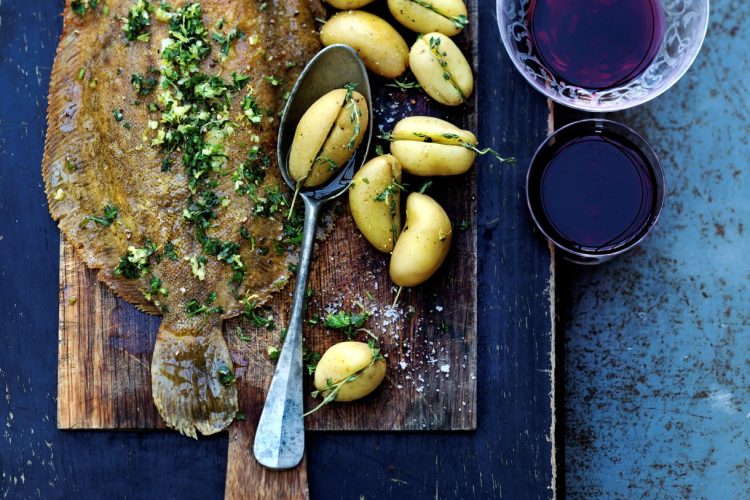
column 159, row 166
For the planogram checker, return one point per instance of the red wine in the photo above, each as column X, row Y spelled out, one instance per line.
column 596, row 44
column 594, row 192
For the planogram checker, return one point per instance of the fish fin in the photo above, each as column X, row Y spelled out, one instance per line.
column 192, row 377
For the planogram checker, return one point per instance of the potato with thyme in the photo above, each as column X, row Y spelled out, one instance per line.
column 375, row 201
column 429, row 146
column 327, row 136
column 424, row 242
column 423, row 16
column 382, row 49
column 348, row 371
column 441, row 69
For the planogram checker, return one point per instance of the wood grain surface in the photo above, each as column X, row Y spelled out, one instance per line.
column 429, row 338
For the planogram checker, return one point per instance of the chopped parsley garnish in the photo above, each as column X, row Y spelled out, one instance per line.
column 106, row 220
column 193, row 307
column 135, row 263
column 226, row 375
column 144, row 85
column 273, row 353
column 169, row 251
column 251, row 110
column 138, row 21
column 272, row 80
column 260, row 316
column 348, row 322
column 80, row 7
column 239, row 81
column 155, row 289
column 117, row 113
column 225, row 42
column 310, row 359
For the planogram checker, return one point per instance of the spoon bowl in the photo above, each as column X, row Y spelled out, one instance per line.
column 280, row 436
column 330, row 69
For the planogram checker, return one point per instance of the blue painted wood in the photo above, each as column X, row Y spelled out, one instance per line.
column 657, row 342
column 509, row 455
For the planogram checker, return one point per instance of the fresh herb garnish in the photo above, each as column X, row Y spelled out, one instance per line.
column 403, row 84
column 169, row 251
column 272, row 80
column 135, row 263
column 226, row 375
column 138, row 21
column 460, row 21
column 310, row 359
column 193, row 307
column 144, row 85
column 110, row 214
column 260, row 315
column 117, row 113
column 347, row 322
column 80, row 7
column 225, row 42
column 155, row 288
column 440, row 56
column 251, row 110
column 355, row 113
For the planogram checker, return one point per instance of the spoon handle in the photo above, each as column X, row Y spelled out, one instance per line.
column 280, row 437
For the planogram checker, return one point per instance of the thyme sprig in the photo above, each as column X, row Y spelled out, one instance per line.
column 440, row 56
column 460, row 21
column 355, row 114
column 403, row 84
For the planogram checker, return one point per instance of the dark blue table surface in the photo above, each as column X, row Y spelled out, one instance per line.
column 510, row 453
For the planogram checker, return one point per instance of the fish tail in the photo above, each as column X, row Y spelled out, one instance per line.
column 192, row 377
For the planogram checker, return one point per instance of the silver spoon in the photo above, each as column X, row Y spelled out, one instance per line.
column 280, row 436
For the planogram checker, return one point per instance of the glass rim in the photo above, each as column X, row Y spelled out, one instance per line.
column 654, row 164
column 686, row 64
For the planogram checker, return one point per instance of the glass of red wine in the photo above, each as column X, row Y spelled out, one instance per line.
column 595, row 188
column 602, row 55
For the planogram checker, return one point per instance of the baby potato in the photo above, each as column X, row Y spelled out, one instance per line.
column 345, row 359
column 375, row 201
column 424, row 242
column 382, row 49
column 348, row 4
column 327, row 136
column 429, row 146
column 441, row 69
column 444, row 16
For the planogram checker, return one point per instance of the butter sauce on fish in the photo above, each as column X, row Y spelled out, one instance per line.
column 159, row 166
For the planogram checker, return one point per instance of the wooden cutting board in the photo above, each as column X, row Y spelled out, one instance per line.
column 429, row 339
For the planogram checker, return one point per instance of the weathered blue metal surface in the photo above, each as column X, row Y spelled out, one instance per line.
column 657, row 354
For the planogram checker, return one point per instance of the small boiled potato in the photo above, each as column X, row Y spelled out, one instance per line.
column 382, row 49
column 424, row 242
column 339, row 147
column 348, row 4
column 345, row 359
column 312, row 131
column 429, row 146
column 323, row 135
column 444, row 16
column 441, row 69
column 375, row 201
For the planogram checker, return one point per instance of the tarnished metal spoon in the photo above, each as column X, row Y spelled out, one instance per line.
column 280, row 436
